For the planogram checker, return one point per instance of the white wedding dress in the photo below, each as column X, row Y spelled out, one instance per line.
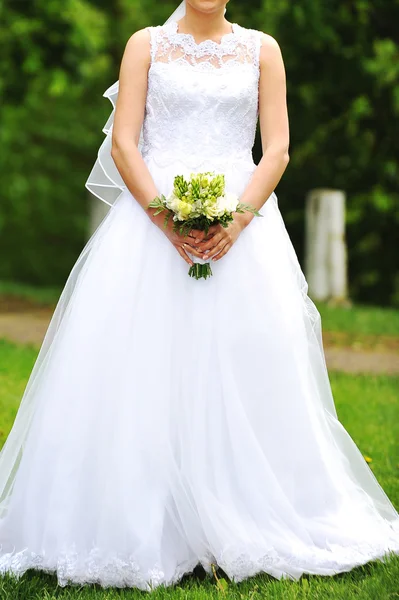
column 170, row 422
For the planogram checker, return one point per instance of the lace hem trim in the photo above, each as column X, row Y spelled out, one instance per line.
column 124, row 571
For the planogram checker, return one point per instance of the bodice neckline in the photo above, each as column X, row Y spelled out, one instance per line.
column 189, row 36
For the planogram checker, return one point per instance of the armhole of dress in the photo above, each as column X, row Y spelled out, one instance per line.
column 258, row 46
column 153, row 45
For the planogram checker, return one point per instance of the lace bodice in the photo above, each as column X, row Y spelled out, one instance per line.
column 202, row 100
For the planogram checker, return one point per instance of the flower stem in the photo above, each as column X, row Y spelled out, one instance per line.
column 199, row 271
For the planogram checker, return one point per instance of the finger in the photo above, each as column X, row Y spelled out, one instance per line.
column 184, row 255
column 198, row 236
column 211, row 231
column 183, row 239
column 201, row 235
column 192, row 250
column 192, row 236
column 218, row 248
column 214, row 228
column 188, row 238
column 210, row 235
column 207, row 245
column 223, row 252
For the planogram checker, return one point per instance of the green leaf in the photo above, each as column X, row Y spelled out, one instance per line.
column 222, row 584
column 166, row 220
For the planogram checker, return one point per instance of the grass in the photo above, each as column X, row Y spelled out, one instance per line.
column 375, row 581
column 360, row 320
column 367, row 406
column 32, row 294
column 16, row 362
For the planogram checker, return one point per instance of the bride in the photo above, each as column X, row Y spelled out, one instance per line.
column 169, row 422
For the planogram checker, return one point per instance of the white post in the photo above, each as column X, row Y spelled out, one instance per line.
column 326, row 255
column 97, row 211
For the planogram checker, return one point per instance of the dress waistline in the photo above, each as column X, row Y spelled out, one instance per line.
column 197, row 162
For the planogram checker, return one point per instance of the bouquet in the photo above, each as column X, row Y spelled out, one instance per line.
column 198, row 203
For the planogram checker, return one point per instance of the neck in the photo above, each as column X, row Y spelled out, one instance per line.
column 204, row 25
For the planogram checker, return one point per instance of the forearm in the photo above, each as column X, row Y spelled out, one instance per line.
column 135, row 174
column 264, row 179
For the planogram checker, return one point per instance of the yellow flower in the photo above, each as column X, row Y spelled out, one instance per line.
column 184, row 210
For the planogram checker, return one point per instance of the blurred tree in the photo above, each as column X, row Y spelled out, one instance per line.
column 58, row 57
column 342, row 65
column 54, row 57
column 342, row 61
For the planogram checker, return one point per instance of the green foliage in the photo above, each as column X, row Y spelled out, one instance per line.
column 360, row 320
column 342, row 62
column 32, row 295
column 55, row 54
column 58, row 57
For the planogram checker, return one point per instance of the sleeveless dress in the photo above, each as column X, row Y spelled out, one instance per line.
column 170, row 422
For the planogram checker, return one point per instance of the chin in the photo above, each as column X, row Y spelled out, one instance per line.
column 207, row 6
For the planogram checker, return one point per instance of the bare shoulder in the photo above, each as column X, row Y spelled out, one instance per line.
column 270, row 52
column 138, row 46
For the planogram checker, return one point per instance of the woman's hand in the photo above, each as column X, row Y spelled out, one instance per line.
column 183, row 244
column 221, row 239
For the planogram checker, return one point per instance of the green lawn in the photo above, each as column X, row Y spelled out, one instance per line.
column 33, row 294
column 376, row 581
column 368, row 407
column 360, row 320
column 16, row 362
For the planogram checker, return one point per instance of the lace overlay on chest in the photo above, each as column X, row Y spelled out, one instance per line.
column 169, row 45
column 202, row 99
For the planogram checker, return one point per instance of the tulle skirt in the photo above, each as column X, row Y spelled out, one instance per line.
column 170, row 422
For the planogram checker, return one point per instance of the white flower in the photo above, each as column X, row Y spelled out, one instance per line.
column 173, row 202
column 210, row 210
column 227, row 203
